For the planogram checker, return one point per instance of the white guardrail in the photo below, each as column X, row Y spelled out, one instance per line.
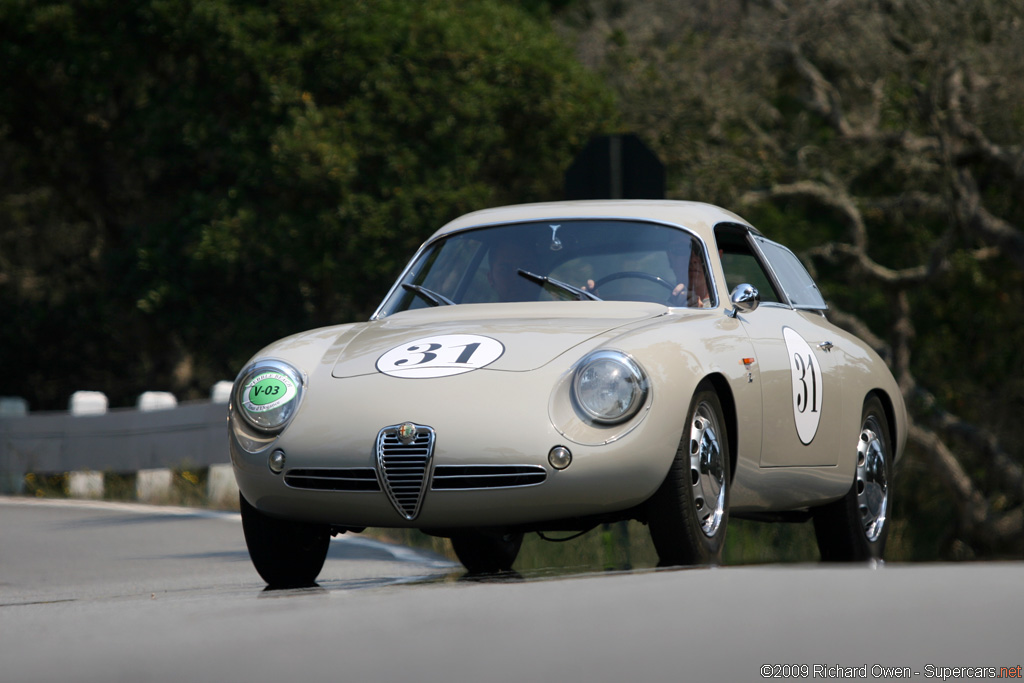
column 149, row 441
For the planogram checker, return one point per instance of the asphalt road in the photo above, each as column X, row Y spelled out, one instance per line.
column 106, row 592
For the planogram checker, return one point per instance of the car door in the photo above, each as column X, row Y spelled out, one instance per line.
column 798, row 374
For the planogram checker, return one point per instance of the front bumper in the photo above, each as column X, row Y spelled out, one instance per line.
column 333, row 474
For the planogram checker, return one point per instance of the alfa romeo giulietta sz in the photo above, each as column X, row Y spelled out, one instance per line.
column 551, row 367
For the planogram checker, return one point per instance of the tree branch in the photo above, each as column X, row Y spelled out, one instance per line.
column 840, row 202
column 991, row 229
column 1010, row 158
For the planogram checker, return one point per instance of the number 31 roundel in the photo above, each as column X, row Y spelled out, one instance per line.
column 441, row 356
column 807, row 385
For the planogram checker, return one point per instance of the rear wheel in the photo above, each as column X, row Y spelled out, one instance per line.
column 487, row 553
column 286, row 554
column 689, row 513
column 855, row 527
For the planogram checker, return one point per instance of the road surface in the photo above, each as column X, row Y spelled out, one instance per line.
column 112, row 592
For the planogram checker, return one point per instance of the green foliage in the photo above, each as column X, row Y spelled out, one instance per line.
column 187, row 180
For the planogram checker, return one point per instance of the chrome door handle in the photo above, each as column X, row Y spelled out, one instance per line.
column 825, row 346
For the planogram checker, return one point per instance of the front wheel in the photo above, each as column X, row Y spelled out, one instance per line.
column 286, row 554
column 689, row 513
column 855, row 527
column 486, row 553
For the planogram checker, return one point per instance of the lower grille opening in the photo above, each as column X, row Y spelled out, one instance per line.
column 454, row 477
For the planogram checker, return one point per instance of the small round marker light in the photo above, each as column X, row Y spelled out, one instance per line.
column 560, row 457
column 276, row 461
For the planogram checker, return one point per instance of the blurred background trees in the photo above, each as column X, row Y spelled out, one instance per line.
column 184, row 181
column 884, row 140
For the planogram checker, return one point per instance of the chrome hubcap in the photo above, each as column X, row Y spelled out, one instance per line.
column 707, row 470
column 872, row 482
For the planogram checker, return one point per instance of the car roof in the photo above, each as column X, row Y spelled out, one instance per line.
column 699, row 217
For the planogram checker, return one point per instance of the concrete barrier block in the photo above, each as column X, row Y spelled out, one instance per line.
column 149, row 401
column 153, row 486
column 12, row 483
column 13, row 406
column 221, row 488
column 221, row 392
column 88, row 403
column 85, row 484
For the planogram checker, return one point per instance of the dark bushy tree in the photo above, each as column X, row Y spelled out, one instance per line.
column 183, row 181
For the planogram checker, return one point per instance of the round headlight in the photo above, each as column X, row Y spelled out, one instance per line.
column 267, row 394
column 609, row 387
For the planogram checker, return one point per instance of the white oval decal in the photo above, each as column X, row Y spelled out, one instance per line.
column 441, row 356
column 807, row 385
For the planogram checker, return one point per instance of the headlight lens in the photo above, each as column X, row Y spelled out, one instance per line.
column 267, row 394
column 610, row 387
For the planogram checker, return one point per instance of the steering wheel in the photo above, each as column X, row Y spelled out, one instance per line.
column 633, row 274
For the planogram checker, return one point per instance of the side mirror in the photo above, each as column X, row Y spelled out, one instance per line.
column 745, row 298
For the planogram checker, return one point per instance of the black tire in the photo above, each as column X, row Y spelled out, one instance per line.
column 286, row 554
column 856, row 527
column 487, row 553
column 688, row 515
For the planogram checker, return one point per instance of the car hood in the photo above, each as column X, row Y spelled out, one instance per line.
column 508, row 337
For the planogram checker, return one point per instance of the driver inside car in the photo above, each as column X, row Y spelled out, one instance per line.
column 687, row 264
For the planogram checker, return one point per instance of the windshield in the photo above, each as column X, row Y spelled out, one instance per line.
column 546, row 261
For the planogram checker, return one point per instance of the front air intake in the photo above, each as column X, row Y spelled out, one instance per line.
column 466, row 477
column 403, row 464
column 346, row 479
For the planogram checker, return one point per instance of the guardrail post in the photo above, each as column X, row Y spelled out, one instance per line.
column 221, row 392
column 12, row 475
column 88, row 403
column 149, row 401
column 221, row 487
column 85, row 484
column 153, row 486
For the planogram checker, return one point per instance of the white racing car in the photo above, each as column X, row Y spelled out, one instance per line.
column 555, row 366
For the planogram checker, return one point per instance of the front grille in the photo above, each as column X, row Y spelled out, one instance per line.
column 404, row 468
column 333, row 479
column 453, row 477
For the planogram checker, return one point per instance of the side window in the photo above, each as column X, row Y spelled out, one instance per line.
column 740, row 268
column 741, row 265
column 794, row 278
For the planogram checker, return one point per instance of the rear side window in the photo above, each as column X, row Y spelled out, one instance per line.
column 791, row 275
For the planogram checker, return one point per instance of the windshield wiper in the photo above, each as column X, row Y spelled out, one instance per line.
column 432, row 298
column 543, row 281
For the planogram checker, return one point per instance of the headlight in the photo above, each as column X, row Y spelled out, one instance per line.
column 267, row 394
column 609, row 387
